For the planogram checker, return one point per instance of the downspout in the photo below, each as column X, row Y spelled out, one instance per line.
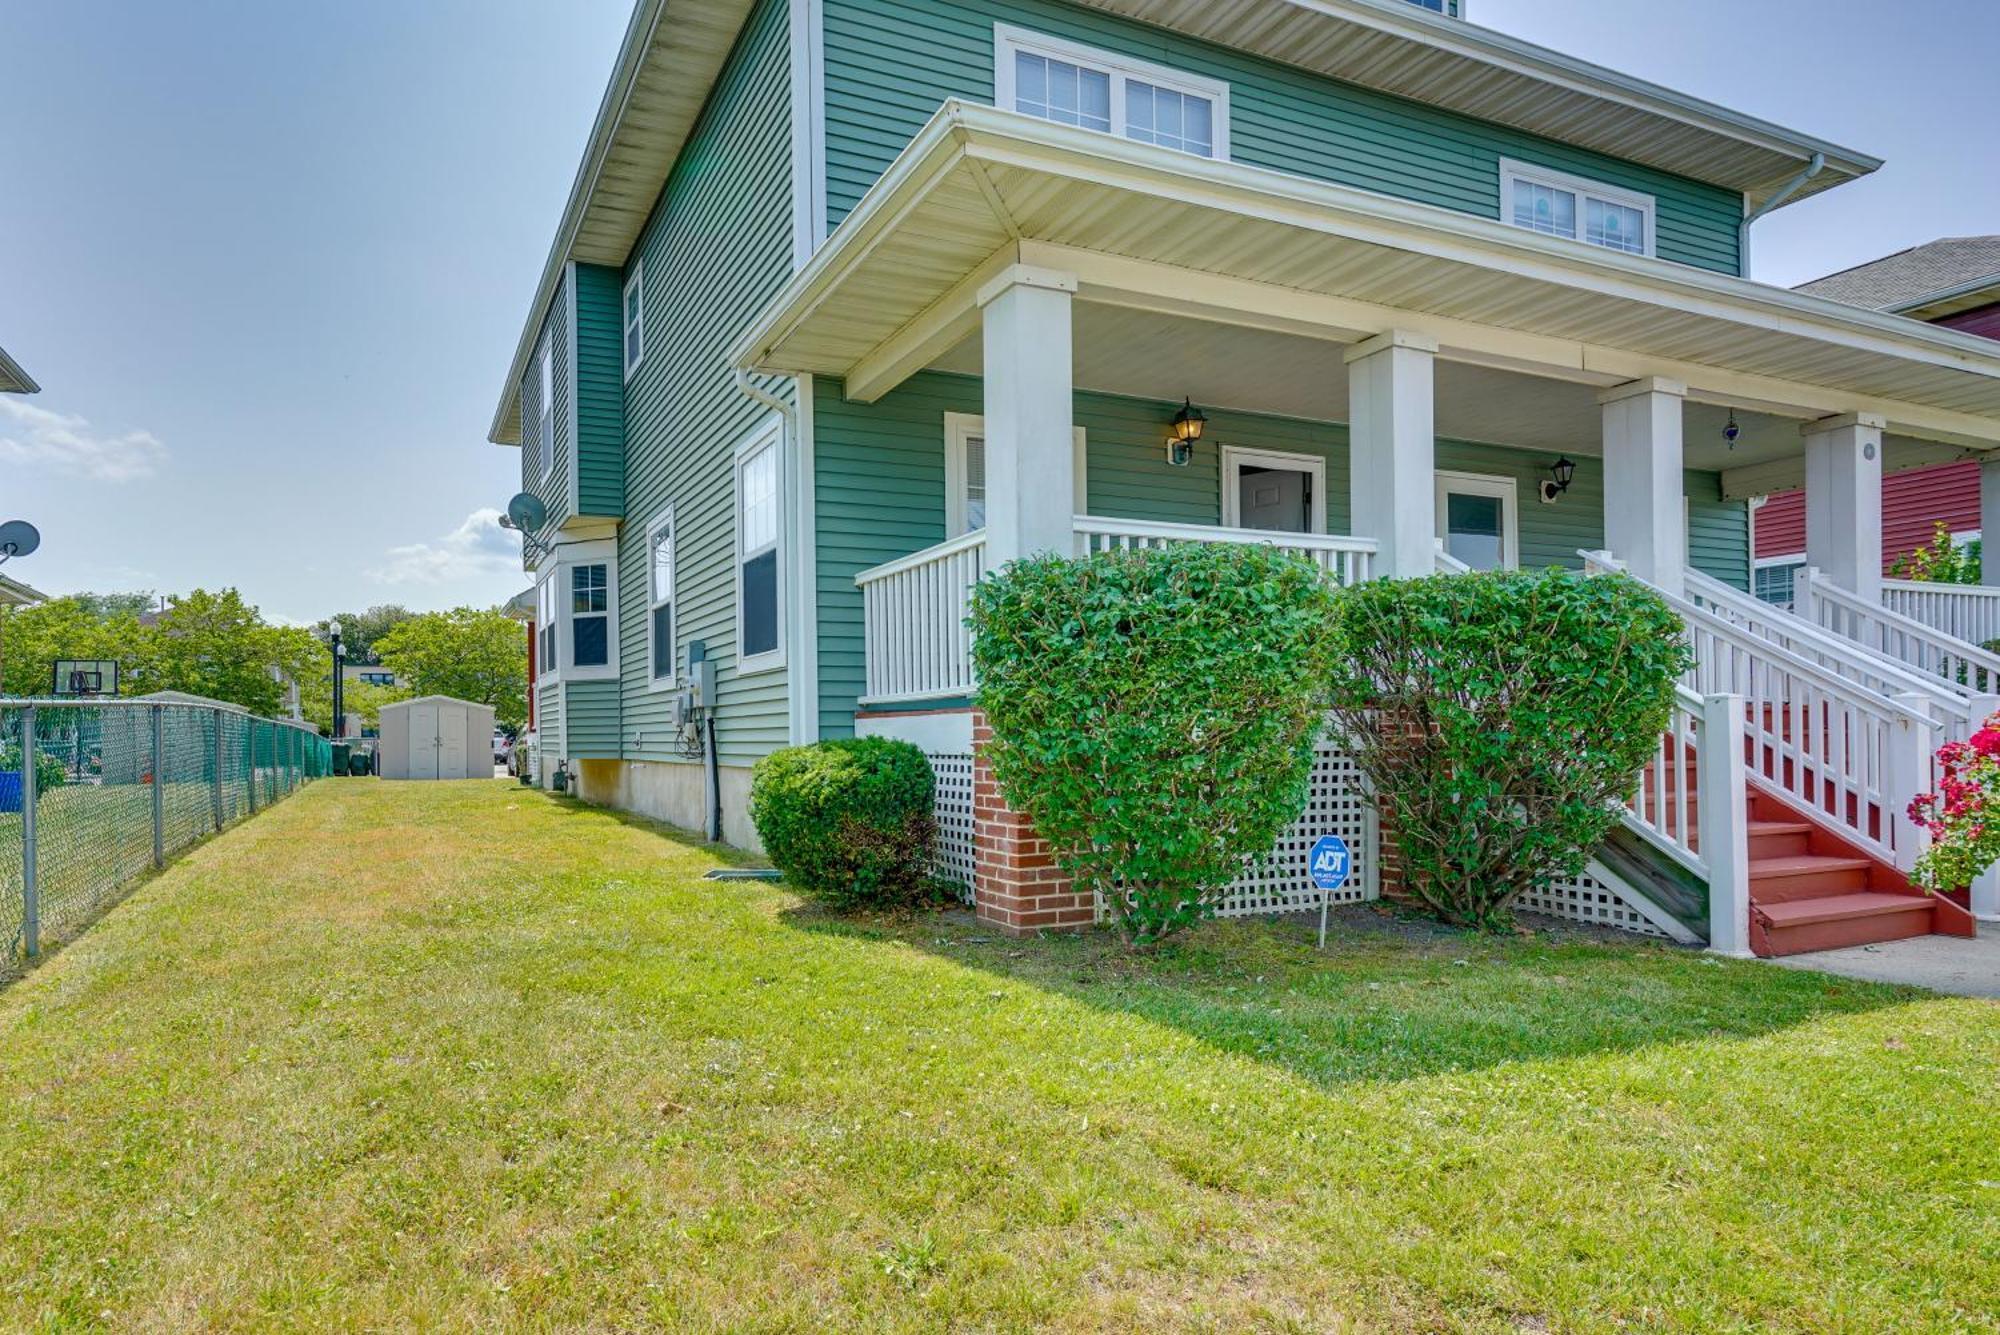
column 1785, row 192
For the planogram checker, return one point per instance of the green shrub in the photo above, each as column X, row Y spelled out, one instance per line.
column 50, row 772
column 1499, row 719
column 849, row 821
column 1154, row 713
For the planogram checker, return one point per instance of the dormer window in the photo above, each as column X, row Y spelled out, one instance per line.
column 1557, row 204
column 1070, row 84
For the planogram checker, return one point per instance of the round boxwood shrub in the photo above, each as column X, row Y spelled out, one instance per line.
column 850, row 821
column 1153, row 714
column 1501, row 719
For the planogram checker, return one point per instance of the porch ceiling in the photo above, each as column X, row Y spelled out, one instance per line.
column 1148, row 229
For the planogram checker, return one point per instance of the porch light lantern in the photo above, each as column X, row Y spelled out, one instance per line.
column 1187, row 428
column 1730, row 431
column 1561, row 473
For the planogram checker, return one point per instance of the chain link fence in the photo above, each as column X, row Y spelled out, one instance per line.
column 115, row 788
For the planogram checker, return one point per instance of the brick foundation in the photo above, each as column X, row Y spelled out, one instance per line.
column 1017, row 886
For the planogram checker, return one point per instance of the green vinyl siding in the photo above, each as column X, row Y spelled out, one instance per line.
column 890, row 64
column 547, row 476
column 879, row 483
column 590, row 720
column 600, row 391
column 549, row 726
column 716, row 248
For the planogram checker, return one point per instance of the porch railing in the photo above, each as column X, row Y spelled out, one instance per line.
column 915, row 639
column 1960, row 664
column 1969, row 612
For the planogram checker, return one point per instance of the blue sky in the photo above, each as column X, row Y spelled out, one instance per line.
column 268, row 261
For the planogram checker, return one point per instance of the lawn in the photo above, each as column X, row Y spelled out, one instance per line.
column 457, row 1055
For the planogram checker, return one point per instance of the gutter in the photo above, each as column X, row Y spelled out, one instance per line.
column 1814, row 165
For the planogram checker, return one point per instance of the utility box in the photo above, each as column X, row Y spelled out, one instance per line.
column 435, row 737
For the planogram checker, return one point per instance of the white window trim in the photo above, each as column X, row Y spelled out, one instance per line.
column 548, row 660
column 557, row 573
column 546, row 416
column 636, row 283
column 958, row 428
column 1580, row 186
column 770, row 433
column 1766, row 562
column 1233, row 459
column 1009, row 39
column 1486, row 484
column 672, row 680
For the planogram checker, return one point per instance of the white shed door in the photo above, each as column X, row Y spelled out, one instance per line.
column 424, row 741
column 451, row 742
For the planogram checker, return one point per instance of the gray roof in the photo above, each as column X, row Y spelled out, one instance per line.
column 1915, row 276
column 13, row 380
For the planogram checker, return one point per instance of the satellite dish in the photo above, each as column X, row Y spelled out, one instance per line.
column 527, row 512
column 18, row 538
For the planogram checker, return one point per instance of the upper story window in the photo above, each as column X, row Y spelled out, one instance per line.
column 1449, row 8
column 545, row 427
column 758, row 594
column 1079, row 85
column 635, row 319
column 1557, row 204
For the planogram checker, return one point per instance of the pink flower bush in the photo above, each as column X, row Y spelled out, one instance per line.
column 1963, row 815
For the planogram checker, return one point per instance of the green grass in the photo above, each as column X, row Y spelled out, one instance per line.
column 458, row 1055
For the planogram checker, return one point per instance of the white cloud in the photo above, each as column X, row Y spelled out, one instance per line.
column 477, row 547
column 65, row 442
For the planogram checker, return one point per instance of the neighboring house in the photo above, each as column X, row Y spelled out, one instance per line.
column 855, row 299
column 364, row 674
column 1955, row 283
column 14, row 380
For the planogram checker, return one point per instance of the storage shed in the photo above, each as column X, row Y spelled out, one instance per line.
column 436, row 737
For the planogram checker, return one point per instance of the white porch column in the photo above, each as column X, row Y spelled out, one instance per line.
column 1989, row 518
column 1645, row 519
column 1844, row 501
column 1392, row 450
column 1030, row 484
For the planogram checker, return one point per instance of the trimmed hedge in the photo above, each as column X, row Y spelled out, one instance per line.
column 850, row 821
column 1154, row 713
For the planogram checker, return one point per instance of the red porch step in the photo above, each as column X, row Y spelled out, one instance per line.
column 1829, row 922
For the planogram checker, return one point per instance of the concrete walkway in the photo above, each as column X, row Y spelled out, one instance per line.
column 1941, row 963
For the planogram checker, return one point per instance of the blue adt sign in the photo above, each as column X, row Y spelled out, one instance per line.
column 1330, row 863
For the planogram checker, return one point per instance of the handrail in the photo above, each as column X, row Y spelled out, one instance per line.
column 929, row 555
column 1969, row 612
column 1662, row 810
column 1348, row 559
column 1447, row 564
column 1968, row 669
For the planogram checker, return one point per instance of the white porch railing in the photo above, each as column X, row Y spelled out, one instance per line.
column 913, row 621
column 1951, row 659
column 1347, row 560
column 915, row 639
column 1826, row 742
column 1969, row 612
column 1447, row 564
column 1663, row 807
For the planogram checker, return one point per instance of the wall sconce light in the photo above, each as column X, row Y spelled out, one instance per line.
column 1730, row 430
column 1187, row 428
column 1560, row 474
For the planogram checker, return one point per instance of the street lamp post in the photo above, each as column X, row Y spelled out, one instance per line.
column 339, row 653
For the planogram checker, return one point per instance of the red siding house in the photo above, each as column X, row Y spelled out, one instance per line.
column 1954, row 282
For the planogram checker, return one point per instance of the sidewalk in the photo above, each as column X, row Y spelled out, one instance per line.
column 1940, row 963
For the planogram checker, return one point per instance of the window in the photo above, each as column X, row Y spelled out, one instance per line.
column 758, row 605
column 965, row 473
column 1771, row 579
column 1556, row 204
column 590, row 615
column 660, row 654
column 545, row 430
column 378, row 678
column 1060, row 81
column 1476, row 519
column 545, row 624
column 635, row 319
column 1450, row 8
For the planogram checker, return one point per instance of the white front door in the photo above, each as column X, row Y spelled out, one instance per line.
column 451, row 744
column 1476, row 518
column 423, row 741
column 1273, row 491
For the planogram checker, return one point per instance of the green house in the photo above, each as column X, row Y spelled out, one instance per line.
column 854, row 300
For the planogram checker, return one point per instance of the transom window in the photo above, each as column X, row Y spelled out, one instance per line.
column 660, row 600
column 1078, row 85
column 758, row 605
column 1556, row 204
column 635, row 319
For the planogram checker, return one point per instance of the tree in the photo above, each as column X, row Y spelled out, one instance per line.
column 472, row 654
column 361, row 631
column 33, row 638
column 217, row 645
column 1942, row 561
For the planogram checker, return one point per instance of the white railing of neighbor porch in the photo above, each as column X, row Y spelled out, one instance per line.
column 913, row 621
column 1969, row 612
column 1957, row 662
column 1347, row 560
column 1447, row 564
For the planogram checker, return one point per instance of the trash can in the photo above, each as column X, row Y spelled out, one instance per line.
column 341, row 751
column 361, row 764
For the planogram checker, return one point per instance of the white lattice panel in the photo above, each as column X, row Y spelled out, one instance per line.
column 1585, row 898
column 954, row 817
column 1278, row 882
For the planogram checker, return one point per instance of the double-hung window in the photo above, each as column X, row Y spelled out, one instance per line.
column 635, row 319
column 660, row 660
column 546, row 629
column 1557, row 204
column 590, row 615
column 1078, row 85
column 759, row 606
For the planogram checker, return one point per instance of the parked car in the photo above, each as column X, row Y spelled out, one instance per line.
column 503, row 747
